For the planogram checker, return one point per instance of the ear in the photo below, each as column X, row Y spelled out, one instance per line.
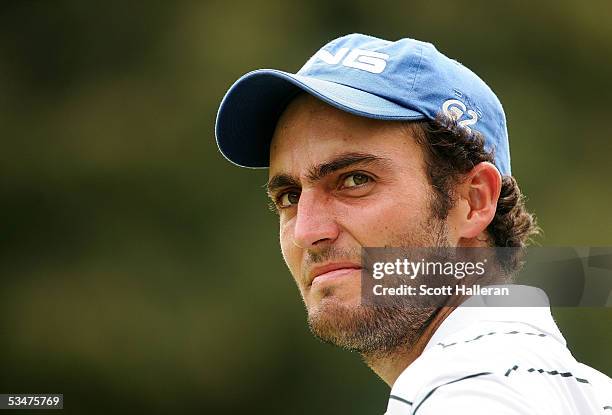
column 478, row 195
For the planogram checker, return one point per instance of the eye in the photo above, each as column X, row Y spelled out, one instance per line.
column 355, row 179
column 287, row 199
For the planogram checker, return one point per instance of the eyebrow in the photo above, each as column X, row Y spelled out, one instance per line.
column 318, row 172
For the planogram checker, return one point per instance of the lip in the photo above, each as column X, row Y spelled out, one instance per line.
column 332, row 270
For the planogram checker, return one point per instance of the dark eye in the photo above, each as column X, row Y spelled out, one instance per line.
column 355, row 179
column 287, row 199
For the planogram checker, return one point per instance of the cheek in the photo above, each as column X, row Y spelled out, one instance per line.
column 376, row 222
column 291, row 253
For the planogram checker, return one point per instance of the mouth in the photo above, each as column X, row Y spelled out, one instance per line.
column 331, row 272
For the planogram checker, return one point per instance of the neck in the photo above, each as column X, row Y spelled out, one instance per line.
column 389, row 366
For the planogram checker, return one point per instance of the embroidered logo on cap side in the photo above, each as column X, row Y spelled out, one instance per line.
column 456, row 110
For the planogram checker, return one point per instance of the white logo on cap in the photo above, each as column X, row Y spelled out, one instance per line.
column 456, row 109
column 366, row 60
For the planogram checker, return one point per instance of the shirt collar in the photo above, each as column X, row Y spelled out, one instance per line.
column 471, row 311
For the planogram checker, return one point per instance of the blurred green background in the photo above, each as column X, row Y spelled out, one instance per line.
column 141, row 271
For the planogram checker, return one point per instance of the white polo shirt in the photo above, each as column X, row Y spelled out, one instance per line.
column 499, row 361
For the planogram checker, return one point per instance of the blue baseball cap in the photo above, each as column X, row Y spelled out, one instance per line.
column 405, row 80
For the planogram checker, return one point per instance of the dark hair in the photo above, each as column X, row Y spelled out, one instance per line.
column 451, row 151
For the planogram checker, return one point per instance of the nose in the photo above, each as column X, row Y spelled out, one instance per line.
column 315, row 224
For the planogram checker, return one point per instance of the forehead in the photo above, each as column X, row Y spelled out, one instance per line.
column 311, row 132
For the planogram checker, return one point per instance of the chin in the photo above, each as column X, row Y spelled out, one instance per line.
column 365, row 329
column 334, row 320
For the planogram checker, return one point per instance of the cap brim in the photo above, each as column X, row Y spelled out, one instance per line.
column 250, row 110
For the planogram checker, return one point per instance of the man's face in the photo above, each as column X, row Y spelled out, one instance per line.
column 340, row 183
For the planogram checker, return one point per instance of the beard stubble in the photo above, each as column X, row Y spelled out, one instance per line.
column 375, row 330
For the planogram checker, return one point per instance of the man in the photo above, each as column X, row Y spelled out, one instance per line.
column 392, row 144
